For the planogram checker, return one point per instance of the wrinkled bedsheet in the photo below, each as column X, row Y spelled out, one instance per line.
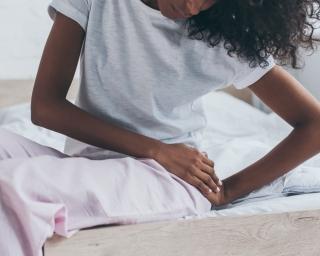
column 46, row 194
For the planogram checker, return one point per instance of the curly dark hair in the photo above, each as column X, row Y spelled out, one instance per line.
column 255, row 29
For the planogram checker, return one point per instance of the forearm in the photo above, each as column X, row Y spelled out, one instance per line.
column 68, row 119
column 301, row 144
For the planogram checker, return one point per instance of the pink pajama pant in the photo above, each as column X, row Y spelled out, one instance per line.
column 43, row 191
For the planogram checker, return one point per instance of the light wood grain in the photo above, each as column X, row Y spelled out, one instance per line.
column 284, row 234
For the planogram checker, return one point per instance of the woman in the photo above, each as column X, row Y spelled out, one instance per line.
column 143, row 75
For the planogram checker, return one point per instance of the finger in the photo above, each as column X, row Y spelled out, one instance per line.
column 205, row 153
column 201, row 186
column 207, row 179
column 210, row 171
column 216, row 178
column 206, row 168
column 207, row 161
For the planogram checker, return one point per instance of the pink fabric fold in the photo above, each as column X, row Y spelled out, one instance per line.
column 46, row 194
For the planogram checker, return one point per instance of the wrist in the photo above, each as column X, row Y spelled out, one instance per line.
column 227, row 192
column 236, row 186
column 155, row 150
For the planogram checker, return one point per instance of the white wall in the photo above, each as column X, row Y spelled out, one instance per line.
column 24, row 29
column 309, row 76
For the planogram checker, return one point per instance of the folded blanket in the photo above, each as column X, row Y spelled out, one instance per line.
column 303, row 180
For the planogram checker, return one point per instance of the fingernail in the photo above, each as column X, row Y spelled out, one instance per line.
column 218, row 189
column 220, row 182
column 209, row 190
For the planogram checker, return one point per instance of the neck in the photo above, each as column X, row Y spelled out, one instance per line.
column 151, row 3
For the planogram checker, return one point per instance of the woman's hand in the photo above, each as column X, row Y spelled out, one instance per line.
column 221, row 198
column 178, row 9
column 192, row 166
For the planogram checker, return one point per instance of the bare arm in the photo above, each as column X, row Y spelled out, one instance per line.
column 50, row 108
column 286, row 97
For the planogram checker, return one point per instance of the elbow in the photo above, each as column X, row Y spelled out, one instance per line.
column 37, row 113
column 44, row 113
column 37, row 107
column 316, row 131
column 40, row 112
column 311, row 121
column 44, row 104
column 312, row 130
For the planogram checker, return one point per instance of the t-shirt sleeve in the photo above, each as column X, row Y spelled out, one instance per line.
column 77, row 10
column 245, row 75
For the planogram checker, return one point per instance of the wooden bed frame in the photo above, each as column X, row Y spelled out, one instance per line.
column 294, row 233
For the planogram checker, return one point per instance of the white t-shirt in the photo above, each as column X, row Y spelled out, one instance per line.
column 139, row 70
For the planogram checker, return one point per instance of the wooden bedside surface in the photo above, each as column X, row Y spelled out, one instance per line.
column 280, row 234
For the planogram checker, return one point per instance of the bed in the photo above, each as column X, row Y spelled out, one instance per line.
column 271, row 221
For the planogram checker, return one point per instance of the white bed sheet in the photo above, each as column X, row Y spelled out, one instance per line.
column 232, row 122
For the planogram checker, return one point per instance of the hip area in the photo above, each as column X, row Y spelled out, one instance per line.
column 76, row 148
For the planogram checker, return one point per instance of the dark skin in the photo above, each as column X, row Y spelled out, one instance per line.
column 278, row 89
column 50, row 109
column 179, row 9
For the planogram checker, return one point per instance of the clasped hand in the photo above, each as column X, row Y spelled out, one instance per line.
column 194, row 167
